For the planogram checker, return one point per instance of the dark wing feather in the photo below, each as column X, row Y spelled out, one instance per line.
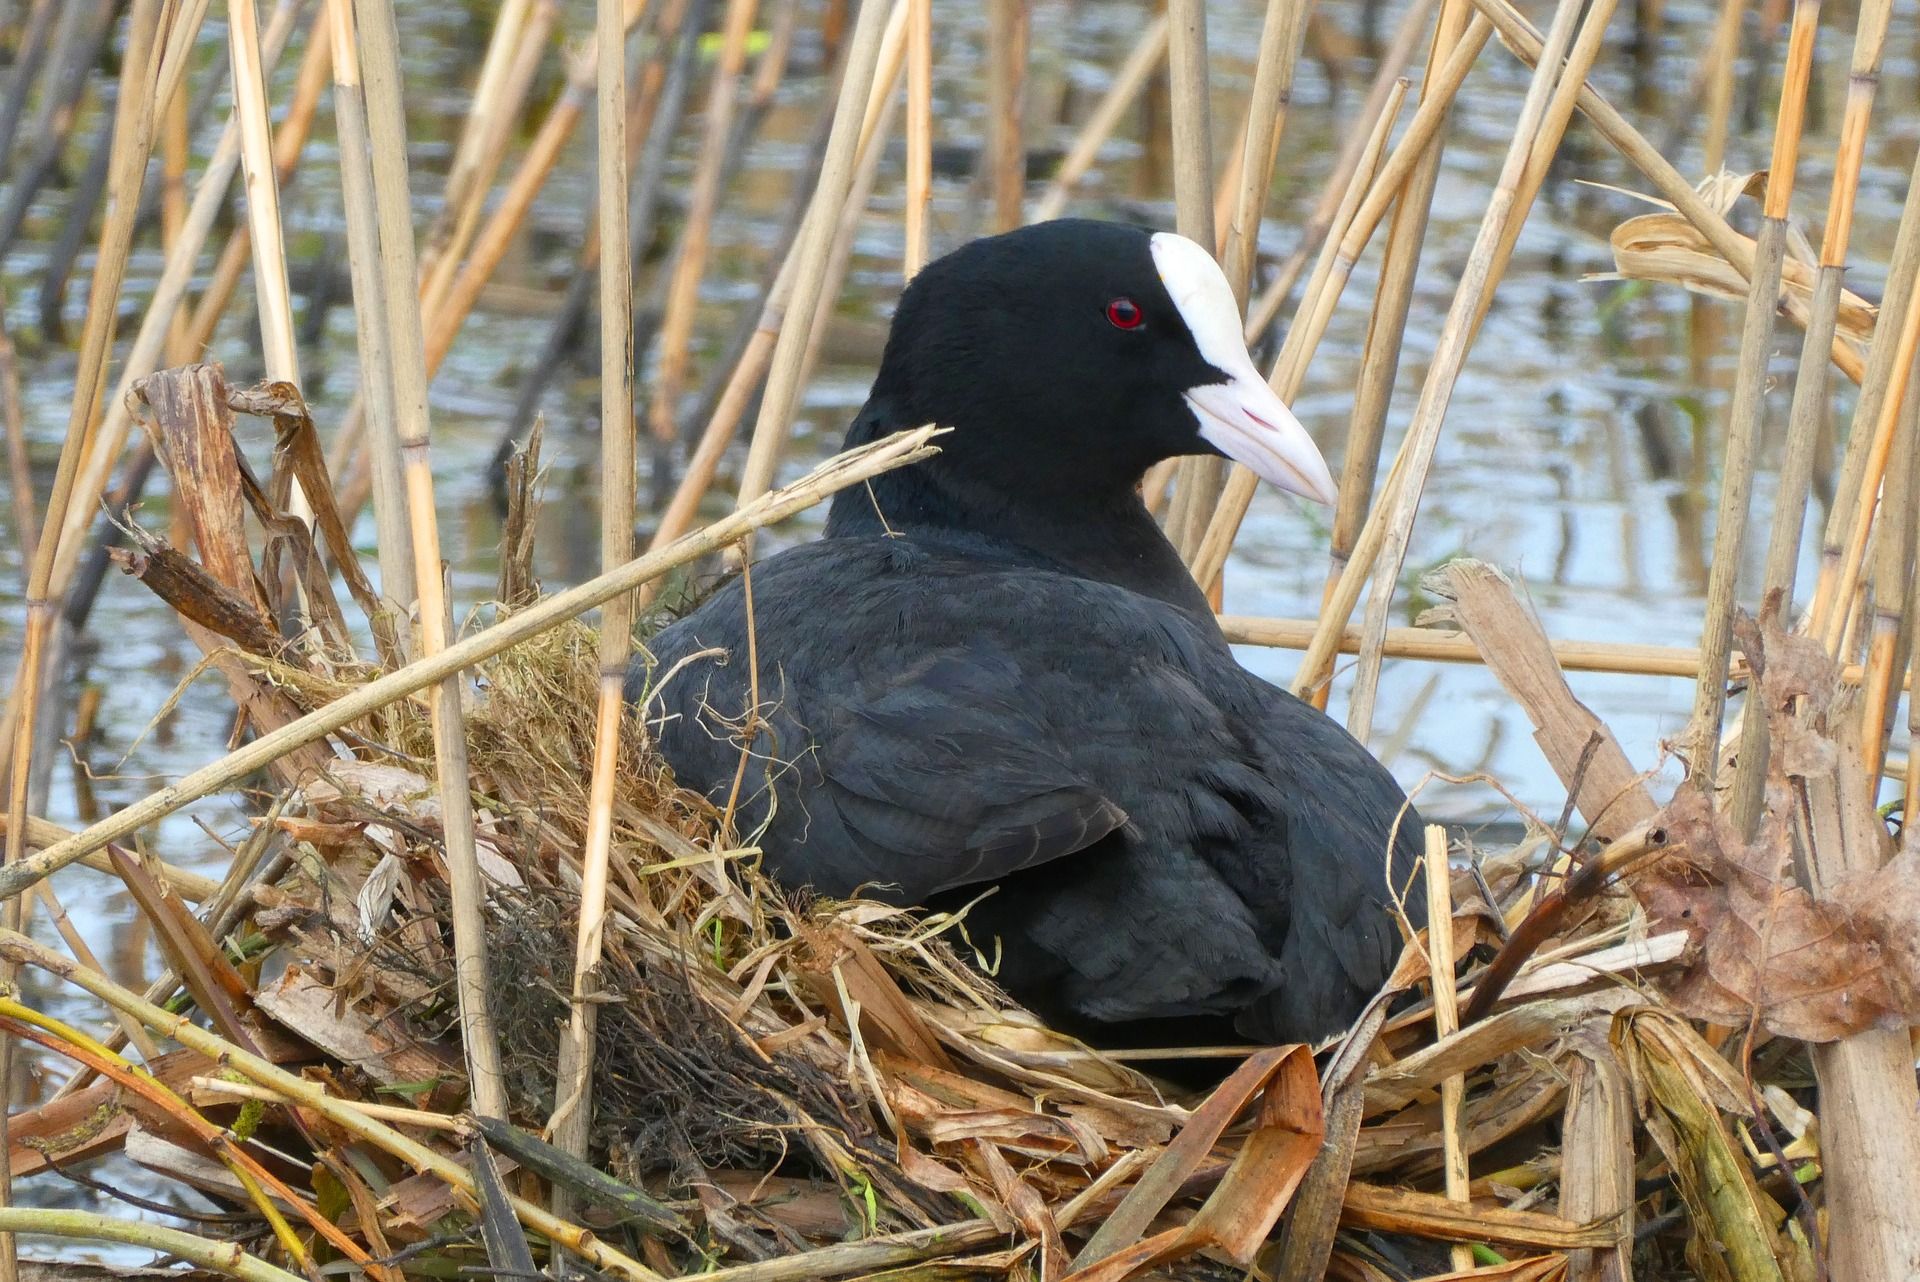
column 916, row 758
column 1169, row 834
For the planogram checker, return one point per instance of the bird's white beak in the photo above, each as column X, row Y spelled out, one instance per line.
column 1242, row 417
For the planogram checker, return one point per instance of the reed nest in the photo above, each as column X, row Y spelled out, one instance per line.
column 791, row 1087
column 1656, row 1039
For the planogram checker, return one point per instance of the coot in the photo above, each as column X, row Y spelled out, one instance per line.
column 994, row 673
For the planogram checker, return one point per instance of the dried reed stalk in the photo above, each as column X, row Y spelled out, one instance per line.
column 1386, row 330
column 1391, row 68
column 1717, row 62
column 1339, row 256
column 570, row 1126
column 703, row 202
column 17, row 949
column 506, row 74
column 1586, row 51
column 919, row 135
column 829, row 478
column 1120, row 96
column 1446, row 1017
column 1748, row 410
column 1266, row 118
column 1836, row 600
column 1400, row 503
column 1869, row 1102
column 370, row 316
column 272, row 295
column 1903, row 273
column 132, row 143
column 1008, row 23
column 406, row 371
column 210, row 1254
column 812, row 249
column 1810, row 386
column 1197, row 479
column 1894, row 600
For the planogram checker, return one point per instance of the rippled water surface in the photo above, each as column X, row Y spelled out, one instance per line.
column 1580, row 450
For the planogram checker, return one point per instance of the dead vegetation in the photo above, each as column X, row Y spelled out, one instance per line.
column 474, row 915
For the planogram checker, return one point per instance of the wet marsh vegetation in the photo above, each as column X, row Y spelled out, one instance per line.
column 352, row 927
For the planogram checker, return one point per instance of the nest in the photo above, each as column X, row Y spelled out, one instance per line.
column 786, row 1087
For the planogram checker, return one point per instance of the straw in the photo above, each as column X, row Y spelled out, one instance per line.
column 1745, row 417
column 569, row 1127
column 406, row 370
column 1399, row 505
column 782, row 392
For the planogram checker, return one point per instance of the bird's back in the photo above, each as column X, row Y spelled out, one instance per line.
column 1170, row 836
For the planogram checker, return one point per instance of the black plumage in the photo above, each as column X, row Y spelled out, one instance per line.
column 993, row 672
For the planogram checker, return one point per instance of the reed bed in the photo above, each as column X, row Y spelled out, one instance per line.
column 485, row 991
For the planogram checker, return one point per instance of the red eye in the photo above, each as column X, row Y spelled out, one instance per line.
column 1125, row 313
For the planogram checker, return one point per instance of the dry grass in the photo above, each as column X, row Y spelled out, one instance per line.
column 1615, row 1069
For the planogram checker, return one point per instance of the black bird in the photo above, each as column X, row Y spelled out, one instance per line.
column 995, row 673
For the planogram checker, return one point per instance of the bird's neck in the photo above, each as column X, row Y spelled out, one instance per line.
column 1098, row 531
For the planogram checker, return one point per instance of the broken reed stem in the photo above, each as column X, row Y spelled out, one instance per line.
column 209, row 200
column 703, row 202
column 370, row 317
column 1006, row 158
column 570, row 1126
column 1401, row 502
column 919, row 135
column 17, row 949
column 273, row 297
column 835, row 474
column 1119, row 98
column 811, row 251
column 273, row 300
column 407, row 373
column 1341, row 254
column 1748, row 410
column 1811, row 379
column 131, row 146
column 1197, row 479
column 1446, row 1018
column 197, row 1249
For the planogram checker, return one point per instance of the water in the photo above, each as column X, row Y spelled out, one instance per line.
column 1579, row 452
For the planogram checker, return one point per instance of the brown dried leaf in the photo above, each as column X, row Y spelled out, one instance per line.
column 1668, row 249
column 1815, row 968
column 1256, row 1188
